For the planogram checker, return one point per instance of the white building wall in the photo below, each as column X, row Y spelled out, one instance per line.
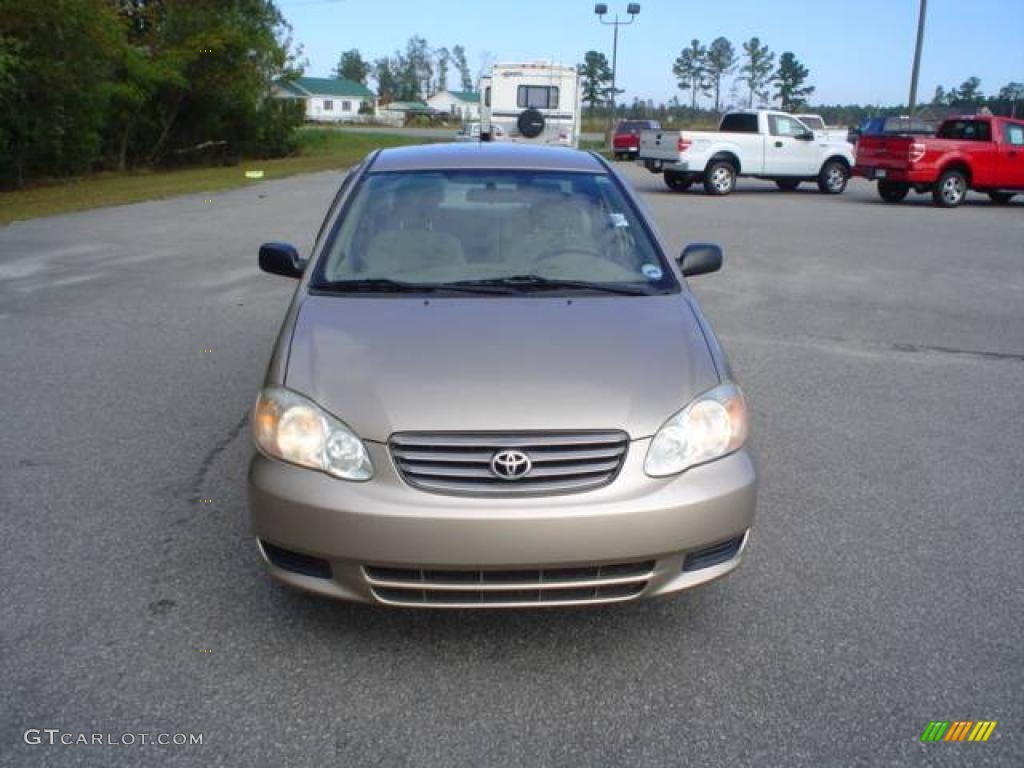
column 333, row 109
column 390, row 117
column 446, row 102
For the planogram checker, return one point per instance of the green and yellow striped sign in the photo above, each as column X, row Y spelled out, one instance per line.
column 958, row 730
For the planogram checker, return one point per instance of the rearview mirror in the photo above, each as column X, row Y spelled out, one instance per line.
column 700, row 259
column 806, row 136
column 281, row 259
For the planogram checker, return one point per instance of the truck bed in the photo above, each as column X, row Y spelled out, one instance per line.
column 674, row 146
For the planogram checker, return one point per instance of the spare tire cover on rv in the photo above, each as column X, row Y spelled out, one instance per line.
column 530, row 123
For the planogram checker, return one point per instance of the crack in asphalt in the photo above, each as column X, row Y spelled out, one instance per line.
column 903, row 348
column 954, row 351
column 211, row 456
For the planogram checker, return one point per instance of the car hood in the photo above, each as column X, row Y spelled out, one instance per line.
column 385, row 365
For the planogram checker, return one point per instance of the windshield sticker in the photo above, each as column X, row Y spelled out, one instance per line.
column 618, row 220
column 651, row 271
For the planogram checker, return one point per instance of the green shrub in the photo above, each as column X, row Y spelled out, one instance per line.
column 276, row 124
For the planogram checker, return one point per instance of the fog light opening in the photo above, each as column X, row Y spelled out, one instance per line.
column 296, row 562
column 714, row 555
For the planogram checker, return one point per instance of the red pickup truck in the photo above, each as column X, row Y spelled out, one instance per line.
column 983, row 153
column 626, row 141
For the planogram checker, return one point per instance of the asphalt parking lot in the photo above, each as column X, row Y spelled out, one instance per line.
column 882, row 353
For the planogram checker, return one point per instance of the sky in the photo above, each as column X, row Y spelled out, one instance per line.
column 857, row 51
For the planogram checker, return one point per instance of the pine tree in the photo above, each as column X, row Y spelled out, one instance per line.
column 443, row 59
column 970, row 90
column 352, row 67
column 459, row 57
column 789, row 83
column 690, row 70
column 756, row 70
column 596, row 75
column 721, row 61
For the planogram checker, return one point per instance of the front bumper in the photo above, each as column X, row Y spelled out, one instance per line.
column 385, row 524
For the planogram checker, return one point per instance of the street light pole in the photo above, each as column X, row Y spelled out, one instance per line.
column 609, row 128
column 917, row 56
column 601, row 9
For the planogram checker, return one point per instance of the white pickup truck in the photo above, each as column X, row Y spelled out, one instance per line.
column 763, row 144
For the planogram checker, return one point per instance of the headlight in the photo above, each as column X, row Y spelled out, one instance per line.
column 712, row 426
column 292, row 428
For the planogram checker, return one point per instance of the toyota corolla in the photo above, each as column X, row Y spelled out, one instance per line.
column 493, row 388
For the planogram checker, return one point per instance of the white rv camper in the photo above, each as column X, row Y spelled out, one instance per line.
column 536, row 102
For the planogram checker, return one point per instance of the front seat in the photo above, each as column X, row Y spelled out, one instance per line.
column 404, row 254
column 417, row 203
column 413, row 243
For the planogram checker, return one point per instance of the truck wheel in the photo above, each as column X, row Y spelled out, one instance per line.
column 833, row 177
column 677, row 182
column 720, row 178
column 1000, row 198
column 951, row 189
column 787, row 185
column 892, row 191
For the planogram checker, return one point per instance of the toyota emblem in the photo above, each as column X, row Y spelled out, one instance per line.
column 511, row 465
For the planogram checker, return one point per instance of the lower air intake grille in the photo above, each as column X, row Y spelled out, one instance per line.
column 545, row 586
column 296, row 562
column 713, row 555
column 461, row 463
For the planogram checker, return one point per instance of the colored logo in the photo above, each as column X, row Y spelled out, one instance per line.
column 959, row 730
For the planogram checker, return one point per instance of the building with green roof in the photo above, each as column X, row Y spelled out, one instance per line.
column 399, row 112
column 464, row 105
column 329, row 99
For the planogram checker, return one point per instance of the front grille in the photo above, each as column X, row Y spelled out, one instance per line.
column 460, row 463
column 517, row 587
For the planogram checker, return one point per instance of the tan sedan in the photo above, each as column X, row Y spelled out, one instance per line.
column 493, row 388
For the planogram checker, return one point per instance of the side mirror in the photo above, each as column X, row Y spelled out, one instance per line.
column 700, row 259
column 281, row 259
column 806, row 136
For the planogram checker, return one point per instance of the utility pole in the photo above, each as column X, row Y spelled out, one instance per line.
column 917, row 56
column 601, row 9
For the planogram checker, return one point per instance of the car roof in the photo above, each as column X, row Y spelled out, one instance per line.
column 485, row 156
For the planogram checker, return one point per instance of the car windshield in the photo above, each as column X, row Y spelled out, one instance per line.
column 533, row 230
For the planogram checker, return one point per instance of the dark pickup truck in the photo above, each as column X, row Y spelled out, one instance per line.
column 891, row 126
column 984, row 153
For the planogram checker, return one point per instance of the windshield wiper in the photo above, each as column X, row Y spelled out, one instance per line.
column 387, row 285
column 368, row 284
column 538, row 283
